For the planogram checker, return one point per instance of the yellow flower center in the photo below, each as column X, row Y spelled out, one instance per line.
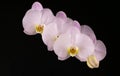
column 39, row 29
column 73, row 51
column 92, row 62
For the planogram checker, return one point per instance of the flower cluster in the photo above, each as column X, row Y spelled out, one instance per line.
column 66, row 37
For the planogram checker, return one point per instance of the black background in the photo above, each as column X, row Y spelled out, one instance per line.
column 24, row 55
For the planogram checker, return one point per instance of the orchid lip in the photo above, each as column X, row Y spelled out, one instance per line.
column 92, row 62
column 39, row 28
column 72, row 51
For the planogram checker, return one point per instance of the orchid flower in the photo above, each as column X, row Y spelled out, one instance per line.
column 73, row 43
column 60, row 26
column 36, row 19
column 50, row 35
column 99, row 51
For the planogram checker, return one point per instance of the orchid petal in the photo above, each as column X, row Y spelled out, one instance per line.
column 37, row 6
column 69, row 20
column 61, row 15
column 61, row 44
column 85, row 45
column 29, row 31
column 100, row 50
column 49, row 35
column 64, row 58
column 60, row 24
column 47, row 16
column 89, row 32
column 77, row 24
column 63, row 26
column 67, row 25
column 61, row 18
column 30, row 20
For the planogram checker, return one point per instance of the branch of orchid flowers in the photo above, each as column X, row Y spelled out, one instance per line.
column 66, row 37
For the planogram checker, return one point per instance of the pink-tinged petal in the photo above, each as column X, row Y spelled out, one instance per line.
column 29, row 31
column 64, row 58
column 50, row 48
column 60, row 24
column 63, row 26
column 61, row 45
column 74, row 32
column 37, row 6
column 77, row 24
column 47, row 16
column 81, row 59
column 89, row 32
column 86, row 47
column 69, row 20
column 61, row 15
column 100, row 50
column 67, row 25
column 31, row 18
column 60, row 20
column 49, row 35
